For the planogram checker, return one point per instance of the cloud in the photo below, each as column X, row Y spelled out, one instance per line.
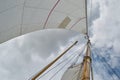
column 26, row 55
column 105, row 31
column 46, row 41
column 93, row 11
column 106, row 27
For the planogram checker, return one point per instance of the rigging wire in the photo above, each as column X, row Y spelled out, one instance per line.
column 103, row 59
column 76, row 60
column 105, row 66
column 98, row 69
column 103, row 63
column 98, row 60
column 63, row 67
column 54, row 60
column 109, row 65
column 59, row 63
column 93, row 66
column 92, row 72
column 56, row 66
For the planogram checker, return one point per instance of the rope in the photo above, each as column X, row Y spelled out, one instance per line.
column 92, row 73
column 58, row 64
column 62, row 67
column 55, row 66
column 76, row 60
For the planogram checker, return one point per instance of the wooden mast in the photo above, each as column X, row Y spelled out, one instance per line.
column 86, row 69
column 85, row 74
column 50, row 64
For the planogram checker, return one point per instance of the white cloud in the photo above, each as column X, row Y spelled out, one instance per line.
column 106, row 27
column 27, row 54
column 106, row 34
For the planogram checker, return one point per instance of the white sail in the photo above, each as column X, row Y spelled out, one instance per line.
column 18, row 17
column 72, row 73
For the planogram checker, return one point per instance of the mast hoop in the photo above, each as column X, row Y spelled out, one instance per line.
column 87, row 57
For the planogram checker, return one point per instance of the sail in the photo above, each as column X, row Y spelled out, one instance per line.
column 18, row 17
column 72, row 73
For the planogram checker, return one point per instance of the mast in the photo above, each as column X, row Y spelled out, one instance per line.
column 86, row 69
column 85, row 74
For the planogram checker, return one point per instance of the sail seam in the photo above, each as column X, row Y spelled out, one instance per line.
column 50, row 13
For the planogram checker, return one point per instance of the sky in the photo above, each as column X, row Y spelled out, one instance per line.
column 105, row 31
column 23, row 56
